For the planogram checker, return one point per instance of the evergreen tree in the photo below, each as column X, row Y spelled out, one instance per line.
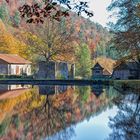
column 83, row 65
column 17, row 18
column 81, row 33
column 4, row 12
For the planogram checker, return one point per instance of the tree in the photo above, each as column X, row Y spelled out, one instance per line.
column 51, row 9
column 4, row 13
column 51, row 41
column 83, row 64
column 125, row 125
column 112, row 52
column 17, row 18
column 10, row 44
column 127, row 27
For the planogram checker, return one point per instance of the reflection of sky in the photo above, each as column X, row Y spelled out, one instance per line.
column 96, row 128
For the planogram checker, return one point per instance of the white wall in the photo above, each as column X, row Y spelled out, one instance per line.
column 19, row 69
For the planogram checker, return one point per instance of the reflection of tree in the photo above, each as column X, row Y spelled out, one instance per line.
column 84, row 93
column 65, row 134
column 126, row 124
column 48, row 119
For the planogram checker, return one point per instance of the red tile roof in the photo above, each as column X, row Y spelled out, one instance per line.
column 13, row 59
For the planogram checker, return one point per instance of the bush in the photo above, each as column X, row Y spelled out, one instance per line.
column 16, row 76
column 2, row 76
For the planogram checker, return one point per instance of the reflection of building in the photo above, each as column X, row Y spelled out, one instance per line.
column 11, row 91
column 56, row 70
column 11, row 87
column 14, row 65
column 97, row 90
column 44, row 90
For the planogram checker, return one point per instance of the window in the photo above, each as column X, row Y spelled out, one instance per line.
column 97, row 71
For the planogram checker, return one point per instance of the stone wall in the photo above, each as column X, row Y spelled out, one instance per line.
column 46, row 70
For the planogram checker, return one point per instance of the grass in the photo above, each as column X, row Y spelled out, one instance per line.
column 128, row 83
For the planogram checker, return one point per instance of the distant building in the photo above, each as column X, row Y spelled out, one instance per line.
column 97, row 70
column 100, row 72
column 103, row 68
column 126, row 70
column 55, row 70
column 11, row 64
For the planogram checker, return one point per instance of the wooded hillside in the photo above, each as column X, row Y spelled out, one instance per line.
column 52, row 40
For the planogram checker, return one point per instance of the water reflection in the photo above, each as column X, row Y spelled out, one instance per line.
column 97, row 90
column 12, row 91
column 44, row 90
column 53, row 112
column 126, row 124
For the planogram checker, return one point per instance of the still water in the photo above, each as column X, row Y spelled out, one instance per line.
column 68, row 113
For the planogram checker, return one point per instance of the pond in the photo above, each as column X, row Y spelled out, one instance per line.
column 69, row 113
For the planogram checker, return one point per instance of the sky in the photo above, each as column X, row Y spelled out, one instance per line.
column 100, row 13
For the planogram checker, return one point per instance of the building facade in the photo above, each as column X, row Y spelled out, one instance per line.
column 97, row 70
column 126, row 70
column 14, row 65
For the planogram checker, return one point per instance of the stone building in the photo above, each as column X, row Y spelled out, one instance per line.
column 55, row 70
column 11, row 64
column 126, row 70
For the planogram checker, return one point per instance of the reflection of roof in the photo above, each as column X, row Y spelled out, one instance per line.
column 106, row 63
column 97, row 90
column 13, row 93
column 13, row 59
